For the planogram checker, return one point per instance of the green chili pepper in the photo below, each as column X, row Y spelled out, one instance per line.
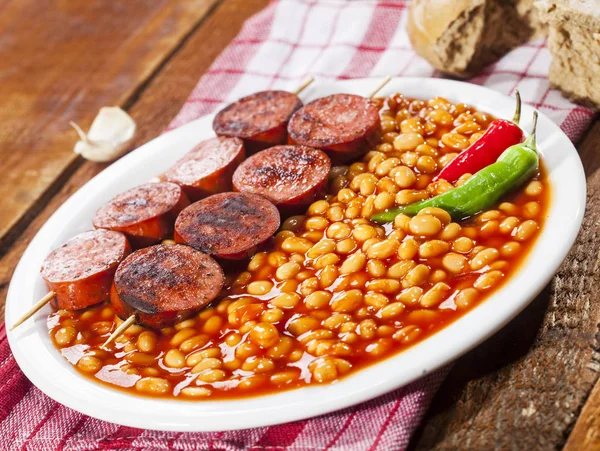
column 515, row 166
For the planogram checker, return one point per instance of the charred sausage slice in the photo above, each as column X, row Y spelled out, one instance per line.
column 207, row 169
column 146, row 213
column 227, row 225
column 81, row 271
column 259, row 119
column 291, row 177
column 162, row 285
column 343, row 125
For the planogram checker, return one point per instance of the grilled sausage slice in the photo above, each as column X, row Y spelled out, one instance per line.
column 227, row 225
column 162, row 285
column 207, row 169
column 145, row 214
column 259, row 119
column 342, row 125
column 291, row 177
column 81, row 271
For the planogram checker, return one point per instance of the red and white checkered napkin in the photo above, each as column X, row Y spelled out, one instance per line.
column 278, row 48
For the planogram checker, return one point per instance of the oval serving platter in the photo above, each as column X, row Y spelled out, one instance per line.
column 52, row 374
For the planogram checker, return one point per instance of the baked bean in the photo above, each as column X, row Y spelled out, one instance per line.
column 488, row 280
column 285, row 300
column 416, row 276
column 410, row 296
column 433, row 248
column 181, row 336
column 345, row 246
column 355, row 262
column 259, row 287
column 388, row 286
column 383, row 249
column 408, row 141
column 531, row 210
column 426, row 164
column 510, row 249
column 287, row 270
column 89, row 364
column 463, row 245
column 509, row 208
column 402, row 222
column 435, row 295
column 65, row 335
column 264, row 334
column 455, row 141
column 484, row 258
column 391, row 310
column 407, row 334
column 383, row 201
column 295, row 244
column 425, row 225
column 534, row 188
column 466, row 297
column 408, row 196
column 454, row 263
column 526, row 230
column 328, row 275
column 347, row 301
column 376, row 268
column 408, row 249
column 212, row 325
column 196, row 392
column 508, row 224
column 153, row 385
column 174, row 358
column 301, row 324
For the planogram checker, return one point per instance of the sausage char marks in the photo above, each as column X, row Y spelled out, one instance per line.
column 259, row 119
column 145, row 213
column 80, row 272
column 227, row 225
column 291, row 177
column 343, row 125
column 162, row 285
column 207, row 169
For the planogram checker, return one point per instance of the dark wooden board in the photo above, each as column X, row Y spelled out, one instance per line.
column 62, row 61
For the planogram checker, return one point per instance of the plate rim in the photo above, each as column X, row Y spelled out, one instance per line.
column 288, row 406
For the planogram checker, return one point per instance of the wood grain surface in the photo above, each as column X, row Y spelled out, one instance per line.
column 522, row 389
column 62, row 61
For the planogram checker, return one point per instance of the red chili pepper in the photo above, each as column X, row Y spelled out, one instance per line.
column 500, row 135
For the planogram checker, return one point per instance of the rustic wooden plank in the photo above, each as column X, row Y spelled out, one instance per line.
column 524, row 387
column 153, row 109
column 62, row 61
column 586, row 433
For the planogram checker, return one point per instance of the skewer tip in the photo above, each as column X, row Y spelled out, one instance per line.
column 37, row 306
column 304, row 84
column 118, row 331
column 384, row 82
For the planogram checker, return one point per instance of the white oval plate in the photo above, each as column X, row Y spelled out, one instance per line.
column 51, row 373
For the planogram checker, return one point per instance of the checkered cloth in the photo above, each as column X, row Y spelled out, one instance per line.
column 278, row 48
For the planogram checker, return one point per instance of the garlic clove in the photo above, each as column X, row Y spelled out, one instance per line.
column 108, row 137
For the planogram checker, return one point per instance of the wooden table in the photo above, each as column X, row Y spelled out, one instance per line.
column 531, row 386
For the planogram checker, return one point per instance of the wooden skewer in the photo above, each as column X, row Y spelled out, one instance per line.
column 119, row 330
column 34, row 309
column 304, row 85
column 385, row 81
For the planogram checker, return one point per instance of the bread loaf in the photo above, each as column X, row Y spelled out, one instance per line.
column 574, row 42
column 460, row 37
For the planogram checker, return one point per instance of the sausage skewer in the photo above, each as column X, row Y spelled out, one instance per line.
column 161, row 285
column 259, row 119
column 79, row 273
column 344, row 126
column 37, row 306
